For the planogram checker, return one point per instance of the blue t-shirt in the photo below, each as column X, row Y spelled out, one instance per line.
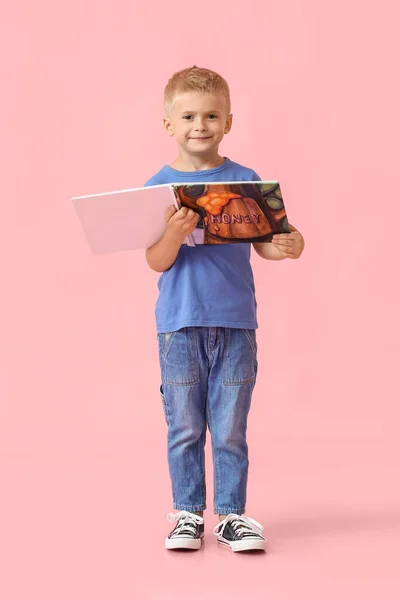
column 208, row 285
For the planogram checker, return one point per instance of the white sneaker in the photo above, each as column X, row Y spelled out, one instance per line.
column 188, row 532
column 240, row 533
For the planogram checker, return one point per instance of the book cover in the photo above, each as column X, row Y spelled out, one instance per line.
column 124, row 220
column 235, row 212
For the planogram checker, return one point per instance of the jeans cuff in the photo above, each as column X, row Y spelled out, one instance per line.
column 228, row 511
column 197, row 508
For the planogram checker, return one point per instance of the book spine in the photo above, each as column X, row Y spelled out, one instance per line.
column 189, row 241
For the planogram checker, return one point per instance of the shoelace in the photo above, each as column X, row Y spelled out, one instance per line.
column 187, row 521
column 241, row 524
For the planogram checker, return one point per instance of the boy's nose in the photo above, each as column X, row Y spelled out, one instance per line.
column 199, row 125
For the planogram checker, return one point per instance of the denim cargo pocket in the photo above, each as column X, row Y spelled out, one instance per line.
column 178, row 357
column 240, row 357
column 165, row 407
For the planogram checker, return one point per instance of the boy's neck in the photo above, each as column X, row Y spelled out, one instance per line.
column 197, row 163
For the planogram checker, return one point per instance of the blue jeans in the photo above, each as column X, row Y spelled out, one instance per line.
column 208, row 375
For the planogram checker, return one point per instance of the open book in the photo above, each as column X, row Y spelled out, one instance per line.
column 229, row 213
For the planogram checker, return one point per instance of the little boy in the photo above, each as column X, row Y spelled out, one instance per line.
column 206, row 322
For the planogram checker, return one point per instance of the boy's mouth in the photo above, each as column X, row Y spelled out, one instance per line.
column 201, row 138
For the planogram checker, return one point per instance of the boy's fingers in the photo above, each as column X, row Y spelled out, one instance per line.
column 171, row 210
column 181, row 213
column 186, row 214
column 285, row 243
column 190, row 214
column 286, row 250
column 282, row 236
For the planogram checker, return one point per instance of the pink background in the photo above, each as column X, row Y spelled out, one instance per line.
column 84, row 487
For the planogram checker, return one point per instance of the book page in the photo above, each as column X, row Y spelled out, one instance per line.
column 235, row 212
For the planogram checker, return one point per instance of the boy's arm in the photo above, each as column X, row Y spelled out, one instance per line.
column 283, row 245
column 162, row 255
column 180, row 224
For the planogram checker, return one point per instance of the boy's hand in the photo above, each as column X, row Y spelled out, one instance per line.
column 180, row 223
column 291, row 245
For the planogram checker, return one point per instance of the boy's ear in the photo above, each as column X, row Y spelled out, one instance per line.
column 167, row 126
column 228, row 125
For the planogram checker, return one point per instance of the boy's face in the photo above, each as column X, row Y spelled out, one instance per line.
column 198, row 122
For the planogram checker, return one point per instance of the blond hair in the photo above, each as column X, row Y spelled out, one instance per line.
column 195, row 79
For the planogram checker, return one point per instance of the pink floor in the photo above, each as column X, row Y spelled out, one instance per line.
column 81, row 530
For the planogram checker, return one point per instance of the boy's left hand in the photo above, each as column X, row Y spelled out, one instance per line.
column 291, row 245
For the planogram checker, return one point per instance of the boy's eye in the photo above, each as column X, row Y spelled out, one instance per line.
column 189, row 117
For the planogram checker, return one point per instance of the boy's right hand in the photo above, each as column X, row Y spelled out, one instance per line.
column 180, row 223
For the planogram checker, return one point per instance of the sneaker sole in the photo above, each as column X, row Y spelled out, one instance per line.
column 245, row 546
column 183, row 544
